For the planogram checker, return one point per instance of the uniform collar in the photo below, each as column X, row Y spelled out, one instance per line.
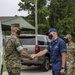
column 56, row 40
column 13, row 35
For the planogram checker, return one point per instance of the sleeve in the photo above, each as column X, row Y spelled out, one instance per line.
column 18, row 45
column 74, row 53
column 48, row 48
column 62, row 46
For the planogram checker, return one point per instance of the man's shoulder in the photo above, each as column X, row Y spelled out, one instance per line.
column 60, row 40
column 12, row 37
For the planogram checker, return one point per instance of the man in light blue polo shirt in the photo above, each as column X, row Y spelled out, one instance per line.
column 57, row 49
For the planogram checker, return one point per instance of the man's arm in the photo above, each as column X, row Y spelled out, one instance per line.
column 20, row 49
column 63, row 52
column 62, row 71
column 25, row 54
column 63, row 59
column 41, row 53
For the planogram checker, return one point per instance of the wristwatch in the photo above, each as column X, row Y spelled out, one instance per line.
column 62, row 68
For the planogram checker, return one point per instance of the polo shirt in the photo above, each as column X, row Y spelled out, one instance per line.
column 56, row 48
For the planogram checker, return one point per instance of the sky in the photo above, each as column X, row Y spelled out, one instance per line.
column 10, row 8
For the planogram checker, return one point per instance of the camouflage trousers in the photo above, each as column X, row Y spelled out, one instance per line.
column 13, row 70
column 70, row 69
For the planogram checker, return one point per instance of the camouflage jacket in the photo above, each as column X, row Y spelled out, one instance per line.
column 11, row 53
column 71, row 53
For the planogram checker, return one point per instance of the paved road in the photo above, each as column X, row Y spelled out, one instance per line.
column 32, row 71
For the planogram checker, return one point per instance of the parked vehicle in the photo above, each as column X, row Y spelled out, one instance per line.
column 33, row 44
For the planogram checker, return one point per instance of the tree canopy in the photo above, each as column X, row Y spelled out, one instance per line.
column 59, row 14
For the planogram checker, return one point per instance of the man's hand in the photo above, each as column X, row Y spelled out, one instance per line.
column 33, row 56
column 25, row 54
column 30, row 58
column 62, row 71
column 41, row 53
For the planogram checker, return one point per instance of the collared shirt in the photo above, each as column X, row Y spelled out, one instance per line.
column 56, row 48
column 12, row 48
column 17, row 43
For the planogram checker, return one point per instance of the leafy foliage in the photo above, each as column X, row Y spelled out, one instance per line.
column 43, row 28
column 42, row 12
column 59, row 14
column 60, row 9
column 65, row 26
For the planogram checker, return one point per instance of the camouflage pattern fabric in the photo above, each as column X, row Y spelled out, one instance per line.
column 13, row 62
column 13, row 71
column 70, row 58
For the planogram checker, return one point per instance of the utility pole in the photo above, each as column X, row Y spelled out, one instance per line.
column 36, row 30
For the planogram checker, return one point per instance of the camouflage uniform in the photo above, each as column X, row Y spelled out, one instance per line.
column 70, row 58
column 12, row 48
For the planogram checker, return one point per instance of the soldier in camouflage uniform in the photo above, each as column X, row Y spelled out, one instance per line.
column 70, row 60
column 13, row 50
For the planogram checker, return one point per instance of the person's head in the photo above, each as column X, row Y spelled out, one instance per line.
column 15, row 29
column 52, row 33
column 68, row 37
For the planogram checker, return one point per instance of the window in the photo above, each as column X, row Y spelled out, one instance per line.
column 27, row 41
column 40, row 40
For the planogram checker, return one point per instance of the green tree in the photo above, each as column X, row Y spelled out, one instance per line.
column 26, row 5
column 62, row 16
column 60, row 9
column 43, row 28
column 42, row 11
column 65, row 26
